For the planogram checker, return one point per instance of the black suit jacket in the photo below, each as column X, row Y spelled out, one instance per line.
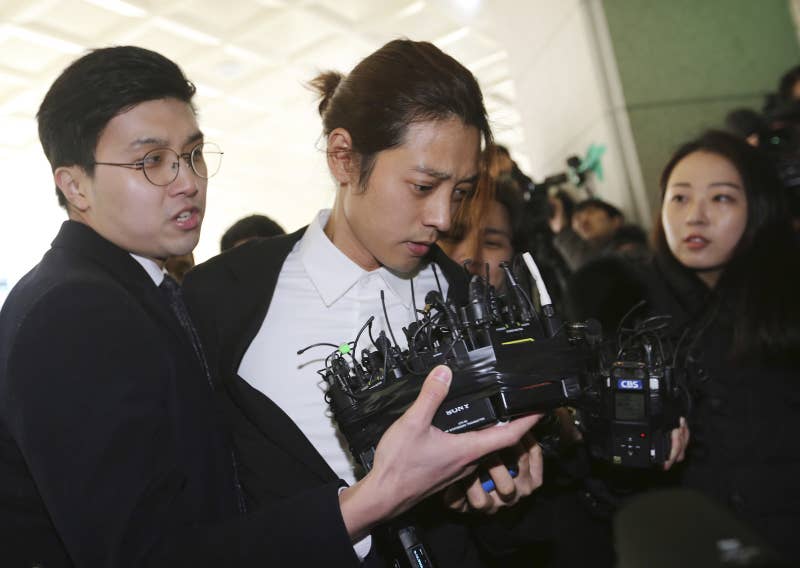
column 113, row 448
column 228, row 298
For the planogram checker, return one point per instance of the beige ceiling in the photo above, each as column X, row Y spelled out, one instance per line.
column 249, row 59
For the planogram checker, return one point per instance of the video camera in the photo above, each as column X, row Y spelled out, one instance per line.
column 509, row 360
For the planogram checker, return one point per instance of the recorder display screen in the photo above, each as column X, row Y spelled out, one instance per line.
column 629, row 405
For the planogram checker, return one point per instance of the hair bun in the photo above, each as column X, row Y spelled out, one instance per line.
column 325, row 85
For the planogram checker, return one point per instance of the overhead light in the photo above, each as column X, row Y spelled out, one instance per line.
column 242, row 53
column 411, row 9
column 12, row 79
column 452, row 37
column 185, row 31
column 119, row 7
column 468, row 7
column 41, row 39
column 492, row 59
column 245, row 104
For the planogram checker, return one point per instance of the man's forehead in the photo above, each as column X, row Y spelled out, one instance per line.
column 159, row 122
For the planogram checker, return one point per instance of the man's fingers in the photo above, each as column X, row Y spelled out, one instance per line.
column 679, row 440
column 478, row 498
column 675, row 447
column 504, row 484
column 685, row 435
column 499, row 436
column 534, row 461
column 455, row 498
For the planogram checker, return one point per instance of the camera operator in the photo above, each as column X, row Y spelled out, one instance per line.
column 403, row 132
column 594, row 223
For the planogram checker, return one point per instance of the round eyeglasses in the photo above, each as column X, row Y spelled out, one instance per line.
column 161, row 165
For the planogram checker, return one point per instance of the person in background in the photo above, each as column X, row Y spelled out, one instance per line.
column 247, row 228
column 178, row 266
column 728, row 269
column 747, row 124
column 502, row 164
column 789, row 85
column 493, row 239
column 595, row 220
column 543, row 532
column 594, row 223
column 562, row 208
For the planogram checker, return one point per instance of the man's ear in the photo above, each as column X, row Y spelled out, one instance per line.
column 341, row 160
column 73, row 183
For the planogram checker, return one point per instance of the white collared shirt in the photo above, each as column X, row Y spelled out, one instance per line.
column 323, row 296
column 150, row 266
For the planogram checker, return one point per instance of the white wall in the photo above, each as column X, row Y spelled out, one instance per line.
column 568, row 93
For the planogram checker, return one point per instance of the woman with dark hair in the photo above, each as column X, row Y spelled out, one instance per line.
column 727, row 270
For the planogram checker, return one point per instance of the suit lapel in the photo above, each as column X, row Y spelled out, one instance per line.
column 255, row 275
column 121, row 266
column 258, row 288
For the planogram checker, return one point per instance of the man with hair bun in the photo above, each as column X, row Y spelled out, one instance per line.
column 404, row 132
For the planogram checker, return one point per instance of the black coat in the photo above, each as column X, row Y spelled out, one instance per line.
column 744, row 450
column 113, row 451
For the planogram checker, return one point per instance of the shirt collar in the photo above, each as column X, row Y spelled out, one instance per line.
column 153, row 270
column 332, row 273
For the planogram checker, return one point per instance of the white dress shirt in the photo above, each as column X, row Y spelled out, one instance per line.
column 150, row 266
column 323, row 296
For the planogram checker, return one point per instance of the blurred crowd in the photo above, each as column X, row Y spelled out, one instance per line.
column 722, row 262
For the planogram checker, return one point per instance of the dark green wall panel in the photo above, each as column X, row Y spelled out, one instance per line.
column 657, row 132
column 684, row 64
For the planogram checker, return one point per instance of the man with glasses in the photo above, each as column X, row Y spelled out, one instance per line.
column 114, row 443
column 109, row 445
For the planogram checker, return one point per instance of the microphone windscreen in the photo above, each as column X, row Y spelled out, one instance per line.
column 433, row 298
column 477, row 288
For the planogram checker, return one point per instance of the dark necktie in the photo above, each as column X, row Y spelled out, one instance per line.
column 172, row 292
